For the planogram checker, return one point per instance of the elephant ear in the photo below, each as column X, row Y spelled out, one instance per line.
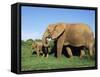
column 59, row 29
column 51, row 28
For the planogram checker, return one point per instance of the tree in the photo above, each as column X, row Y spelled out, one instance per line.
column 38, row 40
column 29, row 41
column 23, row 42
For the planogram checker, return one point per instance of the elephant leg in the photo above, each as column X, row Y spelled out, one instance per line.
column 37, row 52
column 59, row 48
column 59, row 51
column 60, row 43
column 82, row 53
column 90, row 51
column 93, row 51
column 69, row 51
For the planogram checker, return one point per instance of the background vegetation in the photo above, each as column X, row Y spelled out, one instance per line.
column 32, row 62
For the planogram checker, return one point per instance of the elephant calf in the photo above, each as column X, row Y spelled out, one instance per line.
column 39, row 48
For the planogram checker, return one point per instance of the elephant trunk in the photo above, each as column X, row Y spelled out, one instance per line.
column 45, row 46
column 45, row 37
column 45, row 42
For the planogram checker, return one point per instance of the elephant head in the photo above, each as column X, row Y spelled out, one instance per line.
column 53, row 31
column 58, row 30
column 48, row 34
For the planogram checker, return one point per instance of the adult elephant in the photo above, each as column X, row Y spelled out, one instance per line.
column 76, row 35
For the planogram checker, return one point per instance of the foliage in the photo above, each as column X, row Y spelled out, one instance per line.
column 39, row 40
column 29, row 40
column 51, row 43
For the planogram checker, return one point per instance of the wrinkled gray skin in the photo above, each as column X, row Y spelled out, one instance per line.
column 70, row 34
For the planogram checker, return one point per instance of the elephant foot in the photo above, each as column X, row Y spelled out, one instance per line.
column 37, row 55
column 47, row 56
column 71, row 57
column 58, row 55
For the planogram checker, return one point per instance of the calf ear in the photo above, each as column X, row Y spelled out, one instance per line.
column 59, row 29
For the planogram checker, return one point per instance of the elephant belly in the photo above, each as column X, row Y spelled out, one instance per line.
column 75, row 39
column 77, row 42
column 73, row 43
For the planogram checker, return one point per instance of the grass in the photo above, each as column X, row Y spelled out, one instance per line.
column 32, row 62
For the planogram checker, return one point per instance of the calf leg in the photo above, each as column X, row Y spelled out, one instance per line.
column 37, row 53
